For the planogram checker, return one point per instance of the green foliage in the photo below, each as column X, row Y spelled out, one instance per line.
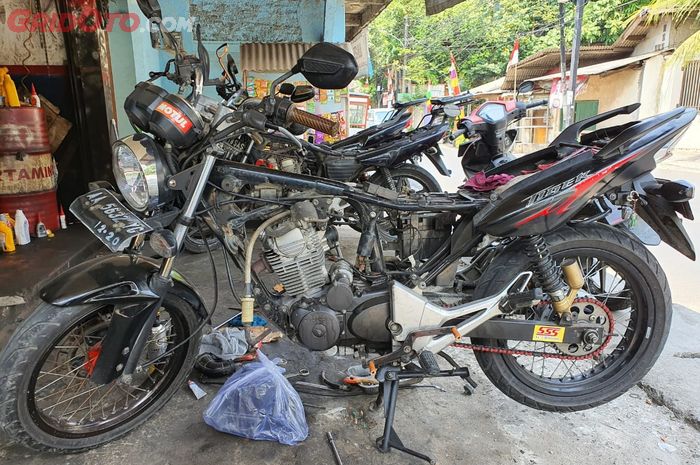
column 480, row 34
column 682, row 10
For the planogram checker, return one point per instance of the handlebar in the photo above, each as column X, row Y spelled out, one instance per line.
column 456, row 134
column 319, row 123
column 536, row 103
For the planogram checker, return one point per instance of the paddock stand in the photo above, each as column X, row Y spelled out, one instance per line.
column 390, row 376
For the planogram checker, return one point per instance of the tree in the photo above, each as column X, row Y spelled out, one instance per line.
column 480, row 34
column 681, row 10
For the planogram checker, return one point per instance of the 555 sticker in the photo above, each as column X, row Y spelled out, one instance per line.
column 543, row 333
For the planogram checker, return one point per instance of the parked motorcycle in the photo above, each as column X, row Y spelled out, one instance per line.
column 385, row 154
column 567, row 314
column 489, row 138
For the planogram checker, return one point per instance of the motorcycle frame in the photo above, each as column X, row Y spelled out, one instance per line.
column 509, row 217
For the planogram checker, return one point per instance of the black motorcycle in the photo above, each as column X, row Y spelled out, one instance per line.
column 385, row 154
column 566, row 314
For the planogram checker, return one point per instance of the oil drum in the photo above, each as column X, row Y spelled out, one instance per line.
column 28, row 175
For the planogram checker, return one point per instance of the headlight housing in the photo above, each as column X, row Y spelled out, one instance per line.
column 140, row 172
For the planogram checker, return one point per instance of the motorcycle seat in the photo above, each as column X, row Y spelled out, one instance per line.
column 374, row 134
column 387, row 153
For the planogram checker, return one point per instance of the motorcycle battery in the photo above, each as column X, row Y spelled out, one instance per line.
column 422, row 234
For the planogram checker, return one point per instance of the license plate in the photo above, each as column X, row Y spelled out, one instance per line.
column 110, row 221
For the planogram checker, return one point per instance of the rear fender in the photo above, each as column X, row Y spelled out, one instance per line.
column 131, row 285
column 661, row 215
column 435, row 156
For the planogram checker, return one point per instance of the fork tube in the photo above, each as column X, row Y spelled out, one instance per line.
column 188, row 211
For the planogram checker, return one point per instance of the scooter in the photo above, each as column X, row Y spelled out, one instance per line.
column 489, row 141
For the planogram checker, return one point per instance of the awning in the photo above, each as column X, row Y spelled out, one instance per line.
column 492, row 87
column 601, row 68
column 275, row 57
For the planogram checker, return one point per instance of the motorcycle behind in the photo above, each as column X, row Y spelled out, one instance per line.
column 565, row 314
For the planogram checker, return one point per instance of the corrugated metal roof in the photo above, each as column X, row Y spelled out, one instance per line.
column 601, row 68
column 545, row 60
column 275, row 57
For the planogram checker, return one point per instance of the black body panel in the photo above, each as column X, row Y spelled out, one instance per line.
column 549, row 198
column 113, row 279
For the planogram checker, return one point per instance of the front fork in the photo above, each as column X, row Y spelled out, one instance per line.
column 187, row 216
column 119, row 359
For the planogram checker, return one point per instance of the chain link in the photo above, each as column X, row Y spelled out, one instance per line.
column 503, row 351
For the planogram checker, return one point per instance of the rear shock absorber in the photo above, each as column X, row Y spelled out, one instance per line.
column 549, row 275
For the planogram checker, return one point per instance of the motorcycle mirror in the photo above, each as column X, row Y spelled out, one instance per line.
column 302, row 94
column 150, row 8
column 451, row 110
column 526, row 87
column 203, row 54
column 327, row 66
column 286, row 89
column 231, row 65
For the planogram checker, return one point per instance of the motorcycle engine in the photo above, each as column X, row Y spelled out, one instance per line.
column 323, row 302
column 294, row 250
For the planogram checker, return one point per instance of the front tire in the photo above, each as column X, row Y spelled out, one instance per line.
column 640, row 342
column 68, row 421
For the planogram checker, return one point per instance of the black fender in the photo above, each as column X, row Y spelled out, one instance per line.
column 435, row 156
column 114, row 279
column 132, row 285
column 661, row 215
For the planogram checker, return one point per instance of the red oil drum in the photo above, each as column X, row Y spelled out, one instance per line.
column 28, row 175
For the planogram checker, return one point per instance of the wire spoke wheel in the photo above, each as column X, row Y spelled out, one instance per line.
column 603, row 283
column 625, row 292
column 65, row 401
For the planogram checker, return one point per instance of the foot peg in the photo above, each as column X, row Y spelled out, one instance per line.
column 428, row 362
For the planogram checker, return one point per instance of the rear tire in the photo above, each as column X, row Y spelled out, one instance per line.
column 34, row 342
column 651, row 297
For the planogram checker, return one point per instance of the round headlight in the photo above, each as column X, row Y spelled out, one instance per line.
column 138, row 171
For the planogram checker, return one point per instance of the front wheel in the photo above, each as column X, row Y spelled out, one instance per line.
column 48, row 401
column 628, row 293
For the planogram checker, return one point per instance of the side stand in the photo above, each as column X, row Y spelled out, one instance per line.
column 390, row 378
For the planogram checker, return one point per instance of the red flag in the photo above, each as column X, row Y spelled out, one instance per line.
column 515, row 54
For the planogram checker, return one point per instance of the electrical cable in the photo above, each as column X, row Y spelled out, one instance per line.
column 210, row 314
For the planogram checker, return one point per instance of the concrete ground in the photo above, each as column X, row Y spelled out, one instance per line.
column 656, row 422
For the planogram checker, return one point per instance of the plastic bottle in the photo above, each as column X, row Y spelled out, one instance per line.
column 6, row 237
column 40, row 227
column 21, row 228
column 34, row 98
column 11, row 92
column 62, row 218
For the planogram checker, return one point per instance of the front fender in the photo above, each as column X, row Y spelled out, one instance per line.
column 115, row 279
column 131, row 285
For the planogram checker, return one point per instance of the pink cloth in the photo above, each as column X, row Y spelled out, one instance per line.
column 482, row 183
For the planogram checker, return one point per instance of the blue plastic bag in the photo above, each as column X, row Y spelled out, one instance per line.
column 257, row 402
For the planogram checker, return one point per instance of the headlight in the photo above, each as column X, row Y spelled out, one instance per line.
column 140, row 172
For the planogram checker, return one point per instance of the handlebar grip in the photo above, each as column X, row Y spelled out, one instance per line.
column 319, row 123
column 537, row 103
column 456, row 134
